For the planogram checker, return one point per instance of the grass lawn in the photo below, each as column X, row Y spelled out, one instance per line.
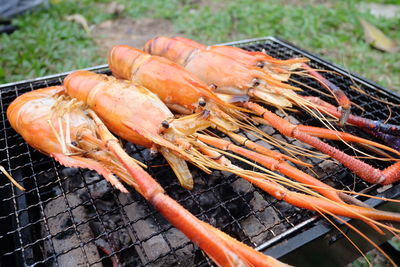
column 47, row 43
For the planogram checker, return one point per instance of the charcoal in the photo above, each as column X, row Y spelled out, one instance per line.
column 70, row 171
column 267, row 129
column 100, row 188
column 207, row 199
column 279, row 137
column 251, row 137
column 132, row 150
column 260, row 238
column 65, row 243
column 225, row 193
column 279, row 229
column 238, row 208
column 191, row 205
column 155, row 247
column 147, row 155
column 133, row 209
column 241, row 186
column 103, row 205
column 258, row 202
column 326, row 167
column 285, row 209
column 252, row 226
column 213, row 179
column 178, row 192
column 292, row 120
column 145, row 228
column 176, row 238
column 91, row 177
column 268, row 217
column 265, row 144
column 300, row 144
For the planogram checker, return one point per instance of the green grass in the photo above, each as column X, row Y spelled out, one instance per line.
column 46, row 43
column 330, row 30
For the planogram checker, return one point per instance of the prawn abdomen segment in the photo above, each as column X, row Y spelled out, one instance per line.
column 166, row 47
column 220, row 73
column 170, row 81
column 159, row 75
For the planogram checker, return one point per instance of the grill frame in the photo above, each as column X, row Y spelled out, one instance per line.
column 297, row 236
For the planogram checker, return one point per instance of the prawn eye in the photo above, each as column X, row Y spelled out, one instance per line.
column 260, row 64
column 202, row 102
column 213, row 86
column 255, row 82
column 165, row 124
column 205, row 113
column 74, row 143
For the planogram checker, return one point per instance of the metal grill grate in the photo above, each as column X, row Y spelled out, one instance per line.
column 71, row 215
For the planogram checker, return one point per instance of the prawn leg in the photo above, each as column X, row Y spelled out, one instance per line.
column 362, row 169
column 310, row 202
column 342, row 99
column 85, row 163
column 262, row 149
column 386, row 131
column 273, row 164
column 373, row 125
column 320, row 204
column 337, row 135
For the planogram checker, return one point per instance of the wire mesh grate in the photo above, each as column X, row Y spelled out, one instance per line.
column 74, row 216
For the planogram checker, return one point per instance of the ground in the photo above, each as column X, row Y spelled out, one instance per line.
column 130, row 32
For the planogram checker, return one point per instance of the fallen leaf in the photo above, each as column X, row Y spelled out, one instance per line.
column 78, row 18
column 377, row 38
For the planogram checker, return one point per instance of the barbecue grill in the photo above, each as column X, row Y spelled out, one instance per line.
column 72, row 216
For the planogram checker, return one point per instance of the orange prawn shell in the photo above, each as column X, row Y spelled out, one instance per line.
column 170, row 81
column 243, row 56
column 29, row 115
column 177, row 51
column 224, row 71
column 126, row 109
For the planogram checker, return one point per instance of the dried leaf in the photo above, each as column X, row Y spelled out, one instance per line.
column 377, row 38
column 78, row 18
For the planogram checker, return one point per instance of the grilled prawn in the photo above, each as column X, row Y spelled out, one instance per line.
column 232, row 71
column 66, row 130
column 231, row 78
